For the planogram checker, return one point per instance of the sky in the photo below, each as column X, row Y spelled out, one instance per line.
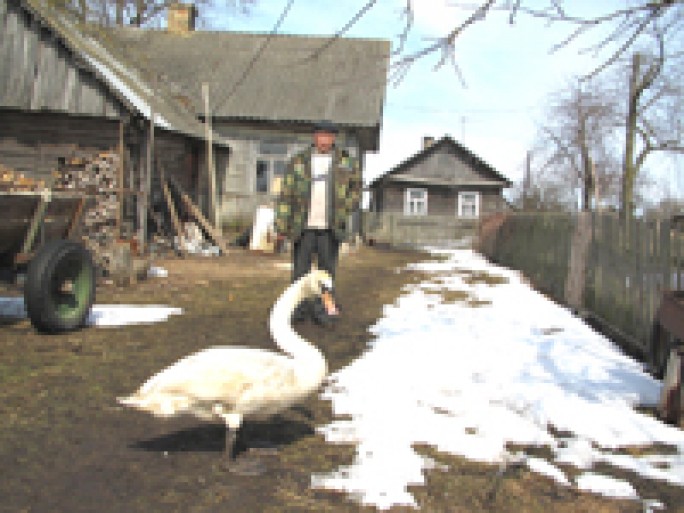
column 458, row 363
column 508, row 73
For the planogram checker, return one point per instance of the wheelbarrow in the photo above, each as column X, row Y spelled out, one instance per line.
column 36, row 231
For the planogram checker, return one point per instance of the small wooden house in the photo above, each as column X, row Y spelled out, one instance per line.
column 443, row 179
column 437, row 196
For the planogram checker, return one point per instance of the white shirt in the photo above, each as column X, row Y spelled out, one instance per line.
column 320, row 167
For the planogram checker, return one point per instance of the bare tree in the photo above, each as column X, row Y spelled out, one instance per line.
column 139, row 12
column 626, row 27
column 574, row 144
column 653, row 117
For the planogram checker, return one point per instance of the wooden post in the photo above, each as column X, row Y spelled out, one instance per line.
column 175, row 221
column 192, row 209
column 145, row 180
column 120, row 179
column 211, row 172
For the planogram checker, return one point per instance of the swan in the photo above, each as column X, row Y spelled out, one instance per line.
column 234, row 383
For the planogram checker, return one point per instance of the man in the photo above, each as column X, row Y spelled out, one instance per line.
column 320, row 189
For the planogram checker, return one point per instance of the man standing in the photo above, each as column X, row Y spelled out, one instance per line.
column 321, row 188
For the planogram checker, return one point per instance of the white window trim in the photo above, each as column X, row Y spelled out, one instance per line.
column 459, row 205
column 270, row 161
column 407, row 201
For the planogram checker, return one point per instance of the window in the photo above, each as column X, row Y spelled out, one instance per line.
column 268, row 172
column 262, row 176
column 415, row 202
column 468, row 204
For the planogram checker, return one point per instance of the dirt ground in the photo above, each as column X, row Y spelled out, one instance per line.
column 66, row 446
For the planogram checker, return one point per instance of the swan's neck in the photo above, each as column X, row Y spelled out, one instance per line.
column 307, row 358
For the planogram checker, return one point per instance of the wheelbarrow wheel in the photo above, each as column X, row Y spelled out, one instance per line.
column 60, row 287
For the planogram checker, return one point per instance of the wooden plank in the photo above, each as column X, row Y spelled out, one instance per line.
column 36, row 220
column 172, row 209
column 75, row 219
column 214, row 235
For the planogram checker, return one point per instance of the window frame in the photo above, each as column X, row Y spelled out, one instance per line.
column 461, row 203
column 408, row 201
column 270, row 162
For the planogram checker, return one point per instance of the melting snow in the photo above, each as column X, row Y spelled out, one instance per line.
column 102, row 315
column 493, row 364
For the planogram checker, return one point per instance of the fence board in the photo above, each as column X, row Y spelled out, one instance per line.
column 625, row 270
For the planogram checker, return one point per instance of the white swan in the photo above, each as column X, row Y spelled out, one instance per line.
column 235, row 383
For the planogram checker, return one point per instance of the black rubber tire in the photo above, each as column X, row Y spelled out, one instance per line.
column 50, row 307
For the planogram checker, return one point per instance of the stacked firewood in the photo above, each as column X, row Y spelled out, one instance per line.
column 13, row 181
column 96, row 177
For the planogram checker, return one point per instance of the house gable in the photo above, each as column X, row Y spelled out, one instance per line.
column 442, row 167
column 49, row 62
column 39, row 72
column 445, row 163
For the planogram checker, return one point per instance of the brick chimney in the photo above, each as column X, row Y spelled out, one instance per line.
column 181, row 18
column 428, row 141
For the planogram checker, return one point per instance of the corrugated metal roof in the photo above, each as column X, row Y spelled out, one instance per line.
column 345, row 83
column 125, row 81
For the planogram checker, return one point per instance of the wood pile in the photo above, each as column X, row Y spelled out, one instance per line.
column 96, row 177
column 13, row 181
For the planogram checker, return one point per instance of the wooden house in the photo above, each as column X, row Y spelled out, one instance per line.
column 445, row 179
column 437, row 195
column 265, row 94
column 64, row 92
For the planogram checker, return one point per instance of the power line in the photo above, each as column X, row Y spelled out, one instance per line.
column 257, row 56
column 342, row 31
column 469, row 112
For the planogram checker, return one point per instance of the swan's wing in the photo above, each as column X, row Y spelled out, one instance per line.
column 222, row 374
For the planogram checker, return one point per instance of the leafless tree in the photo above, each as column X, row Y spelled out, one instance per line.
column 574, row 144
column 626, row 27
column 653, row 116
column 139, row 12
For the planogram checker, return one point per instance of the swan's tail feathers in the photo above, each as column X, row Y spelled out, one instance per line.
column 161, row 405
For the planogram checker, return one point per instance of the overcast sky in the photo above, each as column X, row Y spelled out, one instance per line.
column 508, row 72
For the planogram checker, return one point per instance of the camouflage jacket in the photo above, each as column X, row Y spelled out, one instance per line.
column 344, row 192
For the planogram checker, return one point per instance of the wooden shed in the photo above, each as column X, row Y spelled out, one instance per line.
column 65, row 92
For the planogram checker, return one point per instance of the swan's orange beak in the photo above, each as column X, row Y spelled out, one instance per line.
column 329, row 303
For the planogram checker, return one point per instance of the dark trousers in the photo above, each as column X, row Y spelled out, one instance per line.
column 321, row 242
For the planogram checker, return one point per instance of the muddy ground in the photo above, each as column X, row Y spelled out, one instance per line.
column 66, row 446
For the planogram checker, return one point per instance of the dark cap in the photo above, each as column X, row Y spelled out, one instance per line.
column 326, row 126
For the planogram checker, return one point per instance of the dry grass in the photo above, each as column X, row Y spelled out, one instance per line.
column 65, row 446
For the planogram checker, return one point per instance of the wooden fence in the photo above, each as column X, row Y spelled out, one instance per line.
column 399, row 230
column 594, row 264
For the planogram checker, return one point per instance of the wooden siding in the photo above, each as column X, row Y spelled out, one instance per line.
column 442, row 201
column 37, row 72
column 443, row 165
column 32, row 142
column 238, row 184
